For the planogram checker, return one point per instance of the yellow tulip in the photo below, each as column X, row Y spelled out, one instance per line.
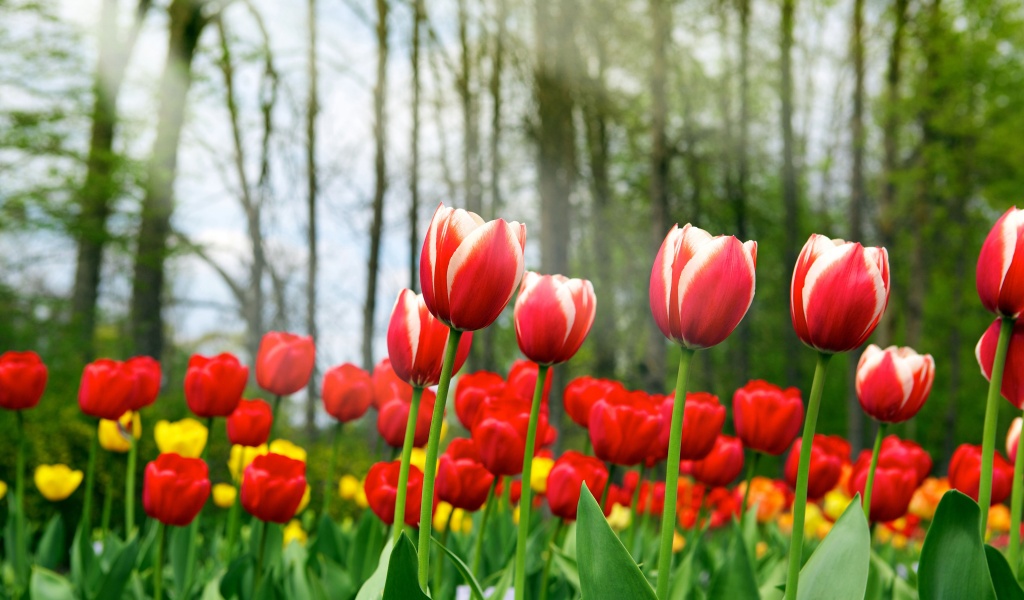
column 444, row 430
column 998, row 519
column 441, row 514
column 3, row 490
column 418, row 458
column 293, row 532
column 539, row 476
column 462, row 521
column 620, row 517
column 835, row 504
column 57, row 482
column 240, row 458
column 224, row 495
column 348, row 487
column 114, row 434
column 288, row 449
column 186, row 437
column 304, row 502
column 459, row 519
column 361, row 500
column 678, row 542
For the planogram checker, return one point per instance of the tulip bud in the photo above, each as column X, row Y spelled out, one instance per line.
column 965, row 473
column 250, row 423
column 1012, row 387
column 566, row 479
column 186, row 437
column 57, row 482
column 462, row 480
column 892, row 384
column 500, row 435
column 703, row 418
column 382, row 491
column 273, row 487
column 347, row 392
column 1000, row 275
column 553, row 315
column 394, row 415
column 224, row 495
column 214, row 386
column 22, row 380
column 766, row 417
column 147, row 381
column 284, row 362
column 722, row 465
column 417, row 342
column 907, row 454
column 175, row 489
column 106, row 389
column 582, row 393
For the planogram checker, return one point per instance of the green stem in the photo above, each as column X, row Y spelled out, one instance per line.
column 236, row 507
column 634, row 522
column 273, row 420
column 259, row 558
column 1016, row 502
column 668, row 517
column 439, row 570
column 612, row 471
column 20, row 539
column 751, row 468
column 430, row 468
column 547, row 560
column 478, row 545
column 403, row 472
column 90, row 477
column 870, row 485
column 800, row 501
column 129, row 481
column 193, row 534
column 158, row 565
column 988, row 440
column 330, row 487
column 108, row 506
column 644, row 519
column 526, row 500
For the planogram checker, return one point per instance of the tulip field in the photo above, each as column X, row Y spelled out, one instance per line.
column 473, row 493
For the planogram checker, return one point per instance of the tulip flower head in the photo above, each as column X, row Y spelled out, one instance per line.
column 241, row 457
column 214, row 386
column 703, row 418
column 469, row 269
column 522, row 382
column 566, row 479
column 175, row 489
column 272, row 487
column 826, row 465
column 1000, row 275
column 722, row 465
column 906, row 454
column 147, row 381
column 347, row 392
column 250, row 423
column 767, row 418
column 284, row 362
column 289, row 449
column 22, row 380
column 553, row 315
column 393, row 416
column 417, row 341
column 107, row 389
column 3, row 489
column 893, row 384
column 116, row 436
column 57, row 482
column 622, row 433
column 500, row 435
column 382, row 491
column 896, row 478
column 965, row 473
column 701, row 286
column 462, row 480
column 186, row 437
column 1012, row 387
column 582, row 393
column 224, row 495
column 472, row 390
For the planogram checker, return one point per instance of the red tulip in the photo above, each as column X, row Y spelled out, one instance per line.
column 906, row 453
column 417, row 342
column 722, row 465
column 347, row 392
column 652, row 498
column 965, row 473
column 284, row 362
column 891, row 491
column 566, row 479
column 214, row 386
column 147, row 381
column 22, row 380
column 500, row 435
column 703, row 418
column 174, row 489
column 892, row 384
column 582, row 393
column 1000, row 276
column 382, row 489
column 766, row 417
column 839, row 292
column 469, row 269
column 553, row 315
column 701, row 286
column 462, row 480
column 387, row 385
column 394, row 415
column 826, row 465
column 1012, row 437
column 472, row 390
column 622, row 434
column 106, row 389
column 273, row 486
column 522, row 379
column 1013, row 373
column 250, row 423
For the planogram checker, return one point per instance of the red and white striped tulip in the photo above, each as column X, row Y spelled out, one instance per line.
column 553, row 315
column 701, row 286
column 1013, row 373
column 1000, row 277
column 416, row 342
column 839, row 292
column 469, row 269
column 1012, row 437
column 893, row 384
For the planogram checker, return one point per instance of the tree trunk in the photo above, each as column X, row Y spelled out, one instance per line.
column 854, row 414
column 312, row 108
column 186, row 24
column 471, row 141
column 790, row 199
column 414, row 181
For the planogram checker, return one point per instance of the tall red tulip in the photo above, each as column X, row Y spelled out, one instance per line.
column 250, row 423
column 273, row 486
column 22, row 380
column 472, row 390
column 766, row 417
column 566, row 479
column 893, row 384
column 703, row 418
column 174, row 489
column 500, row 435
column 470, row 269
column 147, row 381
column 347, row 392
column 722, row 465
column 416, row 342
column 839, row 292
column 214, row 386
column 381, row 487
column 106, row 389
column 622, row 434
column 393, row 416
column 701, row 286
column 553, row 315
column 826, row 466
column 582, row 393
column 1000, row 276
column 893, row 488
column 284, row 362
column 462, row 480
column 1012, row 387
column 965, row 473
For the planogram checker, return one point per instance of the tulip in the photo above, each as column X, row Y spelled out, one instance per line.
column 175, row 488
column 416, row 342
column 965, row 473
column 349, row 487
column 500, row 436
column 107, row 389
column 387, row 385
column 224, row 495
column 552, row 317
column 250, row 423
column 286, row 448
column 186, row 437
column 767, row 495
column 22, row 380
column 522, row 381
column 892, row 453
column 241, row 457
column 582, row 393
column 722, row 465
column 1000, row 275
column 539, row 475
column 895, row 451
column 305, row 500
column 294, row 532
column 566, row 478
column 702, row 422
column 382, row 490
column 214, row 386
column 393, row 416
column 115, row 436
column 472, row 390
column 57, row 482
column 1012, row 386
column 347, row 392
column 147, row 381
column 462, row 480
column 272, row 487
column 448, row 518
column 893, row 489
column 893, row 384
column 622, row 434
column 766, row 417
column 284, row 362
column 825, row 466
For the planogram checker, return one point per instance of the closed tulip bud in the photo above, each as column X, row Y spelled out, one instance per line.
column 417, row 342
column 116, row 436
column 766, row 417
column 382, row 490
column 553, row 315
column 566, row 479
column 891, row 493
column 500, row 435
column 469, row 269
column 703, row 418
column 825, row 468
column 106, row 389
column 175, row 489
column 965, row 473
column 1013, row 373
column 622, row 434
column 250, row 423
column 722, row 465
column 214, row 386
column 701, row 286
column 57, row 482
column 224, row 495
column 893, row 384
column 472, row 390
column 241, row 457
column 1012, row 438
column 462, row 480
column 284, row 362
column 286, row 448
column 393, row 416
column 1000, row 275
column 839, row 292
column 347, row 392
column 22, row 380
column 186, row 437
column 582, row 393
column 388, row 386
column 897, row 452
column 273, row 487
column 147, row 381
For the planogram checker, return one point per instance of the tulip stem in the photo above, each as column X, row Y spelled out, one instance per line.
column 612, row 470
column 108, row 506
column 129, row 481
column 236, row 507
column 90, row 476
column 751, row 468
column 258, row 575
column 430, row 467
column 988, row 440
column 478, row 545
column 193, row 527
column 1016, row 502
column 273, row 418
column 403, row 471
column 20, row 539
column 668, row 515
column 525, row 498
column 796, row 545
column 158, row 564
column 870, row 485
column 635, row 507
column 547, row 559
column 439, row 567
column 330, row 487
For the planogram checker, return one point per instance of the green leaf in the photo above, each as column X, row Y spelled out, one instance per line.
column 606, row 568
column 735, row 579
column 237, row 578
column 838, row 568
column 50, row 552
column 336, row 579
column 47, row 584
column 1003, row 580
column 178, row 545
column 328, row 540
column 85, row 569
column 117, row 577
column 369, row 543
column 402, row 582
column 373, row 588
column 568, row 567
column 953, row 561
column 682, row 580
column 471, row 581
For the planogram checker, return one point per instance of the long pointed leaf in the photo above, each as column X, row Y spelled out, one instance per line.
column 606, row 568
column 953, row 561
column 838, row 569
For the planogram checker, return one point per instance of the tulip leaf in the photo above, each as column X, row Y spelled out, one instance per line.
column 607, row 569
column 735, row 578
column 237, row 577
column 50, row 552
column 953, row 563
column 117, row 577
column 567, row 566
column 373, row 587
column 463, row 570
column 328, row 540
column 369, row 543
column 1005, row 583
column 336, row 579
column 85, row 571
column 47, row 584
column 402, row 582
column 838, row 568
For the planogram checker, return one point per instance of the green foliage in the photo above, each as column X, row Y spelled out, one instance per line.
column 953, row 561
column 606, row 568
column 838, row 568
